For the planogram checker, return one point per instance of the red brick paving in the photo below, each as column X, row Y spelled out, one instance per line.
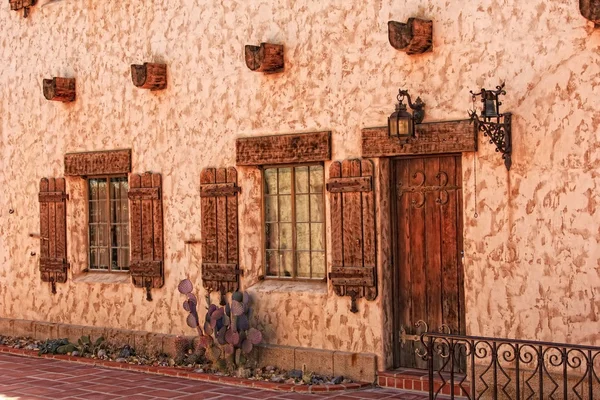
column 23, row 378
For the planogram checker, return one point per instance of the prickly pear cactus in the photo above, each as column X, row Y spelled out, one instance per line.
column 226, row 331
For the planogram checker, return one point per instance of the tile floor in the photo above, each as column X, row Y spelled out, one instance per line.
column 23, row 378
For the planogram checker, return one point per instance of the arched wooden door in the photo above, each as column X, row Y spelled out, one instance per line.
column 427, row 227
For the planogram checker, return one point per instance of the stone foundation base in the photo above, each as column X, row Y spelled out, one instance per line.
column 357, row 366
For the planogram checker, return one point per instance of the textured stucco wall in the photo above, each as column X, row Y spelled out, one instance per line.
column 531, row 258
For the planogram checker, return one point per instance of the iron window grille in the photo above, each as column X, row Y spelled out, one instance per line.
column 294, row 222
column 108, row 224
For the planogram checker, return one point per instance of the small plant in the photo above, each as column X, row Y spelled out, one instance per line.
column 85, row 345
column 63, row 346
column 226, row 334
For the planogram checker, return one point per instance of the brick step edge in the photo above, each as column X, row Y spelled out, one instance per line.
column 190, row 374
column 394, row 380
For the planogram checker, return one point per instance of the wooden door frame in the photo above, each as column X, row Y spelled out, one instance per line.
column 395, row 257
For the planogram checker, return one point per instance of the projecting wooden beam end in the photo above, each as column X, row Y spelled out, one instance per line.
column 413, row 37
column 59, row 89
column 149, row 76
column 267, row 58
column 590, row 9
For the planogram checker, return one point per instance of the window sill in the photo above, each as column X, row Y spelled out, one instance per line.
column 280, row 286
column 102, row 277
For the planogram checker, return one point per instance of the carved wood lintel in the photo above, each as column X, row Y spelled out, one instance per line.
column 98, row 163
column 430, row 138
column 149, row 76
column 59, row 89
column 414, row 37
column 267, row 58
column 24, row 5
column 590, row 9
column 284, row 149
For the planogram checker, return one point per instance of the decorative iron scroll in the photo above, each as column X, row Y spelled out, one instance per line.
column 53, row 231
column 218, row 192
column 354, row 270
column 477, row 367
column 421, row 188
column 147, row 247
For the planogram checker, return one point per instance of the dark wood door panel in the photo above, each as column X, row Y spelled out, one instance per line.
column 428, row 242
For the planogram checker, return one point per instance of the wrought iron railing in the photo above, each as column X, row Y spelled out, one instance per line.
column 475, row 368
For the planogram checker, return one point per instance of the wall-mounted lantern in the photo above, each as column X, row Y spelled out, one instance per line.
column 401, row 123
column 494, row 125
column 59, row 89
column 590, row 9
column 24, row 5
column 149, row 76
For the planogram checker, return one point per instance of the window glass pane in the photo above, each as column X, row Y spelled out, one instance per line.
column 93, row 192
column 102, row 189
column 286, row 260
column 103, row 258
column 125, row 235
column 303, row 264
column 271, row 209
column 124, row 262
column 272, row 263
column 94, row 212
column 316, row 207
column 302, row 208
column 302, row 236
column 125, row 210
column 316, row 179
column 98, row 235
column 115, row 258
column 285, row 236
column 318, row 265
column 285, row 180
column 93, row 258
column 270, row 181
column 272, row 237
column 285, row 208
column 301, row 180
column 316, row 233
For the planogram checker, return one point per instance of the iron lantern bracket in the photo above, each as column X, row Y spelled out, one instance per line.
column 418, row 106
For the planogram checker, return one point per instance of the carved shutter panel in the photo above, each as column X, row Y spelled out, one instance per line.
column 53, row 231
column 218, row 192
column 354, row 270
column 146, row 221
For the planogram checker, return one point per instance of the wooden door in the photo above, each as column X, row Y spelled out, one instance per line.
column 427, row 227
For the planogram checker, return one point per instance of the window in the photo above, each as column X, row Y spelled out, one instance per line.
column 294, row 222
column 108, row 224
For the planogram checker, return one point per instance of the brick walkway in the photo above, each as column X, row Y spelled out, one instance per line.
column 23, row 378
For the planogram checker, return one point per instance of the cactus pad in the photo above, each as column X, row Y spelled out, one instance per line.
column 185, row 286
column 254, row 336
column 191, row 320
column 232, row 337
column 242, row 323
column 237, row 308
column 247, row 346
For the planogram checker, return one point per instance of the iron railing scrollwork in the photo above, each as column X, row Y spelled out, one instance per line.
column 474, row 368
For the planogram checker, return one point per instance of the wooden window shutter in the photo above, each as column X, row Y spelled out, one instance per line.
column 354, row 269
column 146, row 222
column 53, row 231
column 220, row 265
